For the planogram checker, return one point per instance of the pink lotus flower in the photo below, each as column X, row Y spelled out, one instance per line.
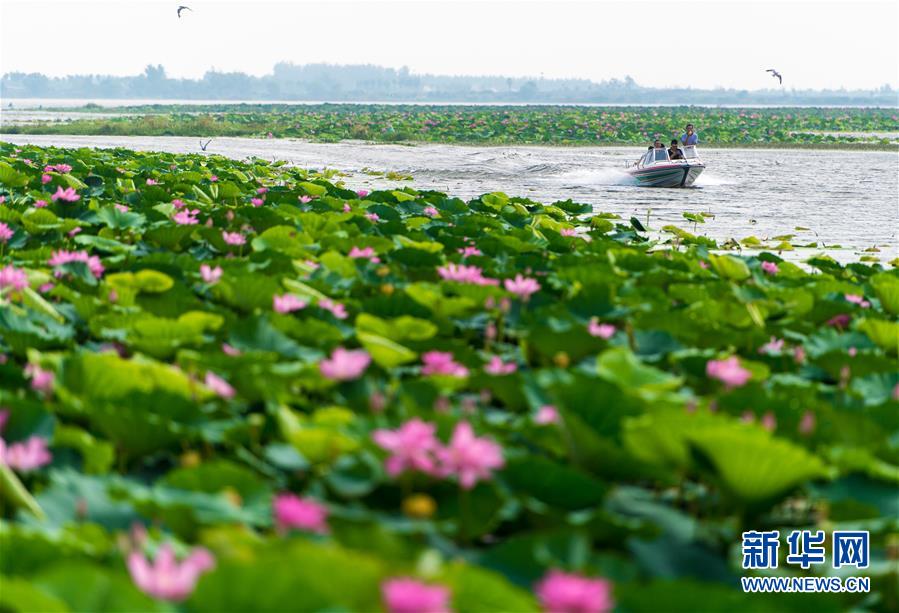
column 345, row 365
column 12, row 277
column 572, row 593
column 856, row 299
column 470, row 251
column 465, row 274
column 39, row 204
column 604, row 331
column 568, row 232
column 41, row 380
column 547, row 414
column 257, row 202
column 469, row 458
column 62, row 257
column 152, row 182
column 166, row 578
column 74, row 232
column 769, row 422
column 362, row 193
column 178, row 204
column 6, row 233
column 304, row 199
column 234, row 238
column 775, row 345
column 839, row 321
column 372, row 217
column 262, row 190
column 186, row 217
column 210, row 275
column 302, row 513
column 430, row 211
column 335, row 308
column 703, row 264
column 68, row 194
column 287, row 303
column 442, row 363
column 799, row 354
column 346, row 207
column 46, row 287
column 367, row 252
column 219, row 386
column 522, row 287
column 25, row 456
column 405, row 595
column 229, row 350
column 60, row 168
column 496, row 366
column 46, row 179
column 807, row 423
column 728, row 371
column 213, row 178
column 412, row 447
column 769, row 268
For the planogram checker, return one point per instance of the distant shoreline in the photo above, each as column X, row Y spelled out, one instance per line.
column 82, row 104
column 849, row 147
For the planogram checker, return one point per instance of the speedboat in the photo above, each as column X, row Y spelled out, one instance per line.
column 657, row 169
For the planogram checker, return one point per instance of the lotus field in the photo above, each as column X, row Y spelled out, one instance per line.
column 561, row 125
column 242, row 386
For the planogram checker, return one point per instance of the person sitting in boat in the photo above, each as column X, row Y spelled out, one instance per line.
column 657, row 144
column 689, row 137
column 674, row 151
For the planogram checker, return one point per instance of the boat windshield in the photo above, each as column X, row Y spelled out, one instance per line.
column 690, row 152
column 661, row 155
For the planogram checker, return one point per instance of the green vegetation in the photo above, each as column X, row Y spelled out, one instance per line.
column 194, row 337
column 550, row 125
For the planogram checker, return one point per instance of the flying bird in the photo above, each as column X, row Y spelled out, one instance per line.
column 183, row 8
column 203, row 147
column 774, row 73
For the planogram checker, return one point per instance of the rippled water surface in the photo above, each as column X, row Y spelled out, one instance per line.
column 843, row 198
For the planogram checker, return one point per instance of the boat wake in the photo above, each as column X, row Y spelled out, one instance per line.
column 601, row 176
column 707, row 179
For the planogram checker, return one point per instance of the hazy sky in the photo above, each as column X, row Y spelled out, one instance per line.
column 816, row 44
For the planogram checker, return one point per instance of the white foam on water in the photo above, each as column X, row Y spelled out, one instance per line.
column 708, row 179
column 599, row 176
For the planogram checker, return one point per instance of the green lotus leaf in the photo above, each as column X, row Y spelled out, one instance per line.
column 884, row 333
column 729, row 267
column 10, row 177
column 384, row 351
column 886, row 286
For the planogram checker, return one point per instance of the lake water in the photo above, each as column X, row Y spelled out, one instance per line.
column 844, row 198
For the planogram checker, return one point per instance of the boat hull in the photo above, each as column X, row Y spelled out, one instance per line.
column 681, row 175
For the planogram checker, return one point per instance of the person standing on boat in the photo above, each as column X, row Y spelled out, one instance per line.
column 689, row 137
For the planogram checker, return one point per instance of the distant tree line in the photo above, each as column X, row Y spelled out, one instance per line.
column 358, row 83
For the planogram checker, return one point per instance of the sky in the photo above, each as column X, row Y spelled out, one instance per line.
column 729, row 43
